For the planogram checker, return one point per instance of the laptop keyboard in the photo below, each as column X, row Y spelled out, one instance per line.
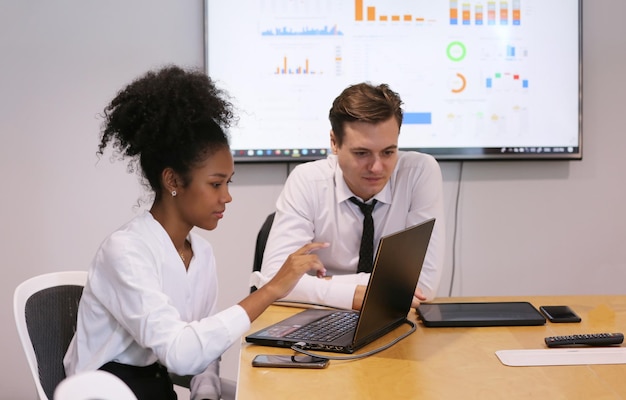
column 328, row 328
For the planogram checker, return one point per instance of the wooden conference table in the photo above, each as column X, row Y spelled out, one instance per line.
column 449, row 363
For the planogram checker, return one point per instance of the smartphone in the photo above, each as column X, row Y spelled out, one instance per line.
column 279, row 361
column 559, row 314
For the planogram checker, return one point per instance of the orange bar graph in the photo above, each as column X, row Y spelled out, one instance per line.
column 454, row 11
column 466, row 15
column 358, row 10
column 298, row 70
column 517, row 14
column 371, row 13
column 491, row 13
column 478, row 14
column 504, row 11
column 364, row 12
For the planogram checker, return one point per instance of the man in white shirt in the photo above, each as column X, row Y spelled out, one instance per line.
column 315, row 205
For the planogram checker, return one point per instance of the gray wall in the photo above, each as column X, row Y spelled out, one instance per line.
column 523, row 227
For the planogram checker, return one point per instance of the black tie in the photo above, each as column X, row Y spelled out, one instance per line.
column 366, row 252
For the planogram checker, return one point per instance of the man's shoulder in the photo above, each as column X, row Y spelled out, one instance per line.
column 415, row 159
column 317, row 169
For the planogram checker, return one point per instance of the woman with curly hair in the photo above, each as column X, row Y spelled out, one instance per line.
column 149, row 305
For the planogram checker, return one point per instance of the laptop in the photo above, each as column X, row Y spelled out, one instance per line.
column 499, row 313
column 386, row 304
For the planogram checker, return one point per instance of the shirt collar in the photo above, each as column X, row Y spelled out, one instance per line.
column 343, row 192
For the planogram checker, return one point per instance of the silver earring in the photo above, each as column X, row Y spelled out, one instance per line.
column 173, row 193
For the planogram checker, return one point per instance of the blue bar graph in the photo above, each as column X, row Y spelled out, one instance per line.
column 454, row 12
column 415, row 118
column 510, row 51
column 284, row 31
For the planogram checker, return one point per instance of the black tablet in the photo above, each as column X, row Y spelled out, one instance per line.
column 503, row 313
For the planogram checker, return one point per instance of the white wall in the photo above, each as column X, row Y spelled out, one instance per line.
column 523, row 227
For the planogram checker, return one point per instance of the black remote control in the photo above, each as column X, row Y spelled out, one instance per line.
column 587, row 339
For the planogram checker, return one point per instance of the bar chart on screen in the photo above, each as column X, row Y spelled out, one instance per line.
column 475, row 76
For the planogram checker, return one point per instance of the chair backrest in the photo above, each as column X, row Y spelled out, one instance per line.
column 261, row 240
column 100, row 385
column 45, row 309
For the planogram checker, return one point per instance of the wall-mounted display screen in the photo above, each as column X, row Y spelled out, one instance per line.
column 479, row 79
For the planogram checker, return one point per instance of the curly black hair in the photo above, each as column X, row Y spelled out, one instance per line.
column 169, row 117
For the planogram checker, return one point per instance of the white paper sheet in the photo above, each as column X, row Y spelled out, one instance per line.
column 563, row 356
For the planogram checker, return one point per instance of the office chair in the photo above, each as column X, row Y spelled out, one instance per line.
column 92, row 385
column 261, row 240
column 45, row 309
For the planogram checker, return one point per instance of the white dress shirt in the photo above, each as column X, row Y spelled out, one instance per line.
column 314, row 207
column 140, row 306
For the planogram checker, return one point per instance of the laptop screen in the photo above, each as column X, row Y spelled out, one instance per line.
column 396, row 271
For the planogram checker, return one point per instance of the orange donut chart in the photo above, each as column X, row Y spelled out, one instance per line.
column 463, row 83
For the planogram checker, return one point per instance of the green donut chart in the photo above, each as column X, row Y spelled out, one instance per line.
column 456, row 51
